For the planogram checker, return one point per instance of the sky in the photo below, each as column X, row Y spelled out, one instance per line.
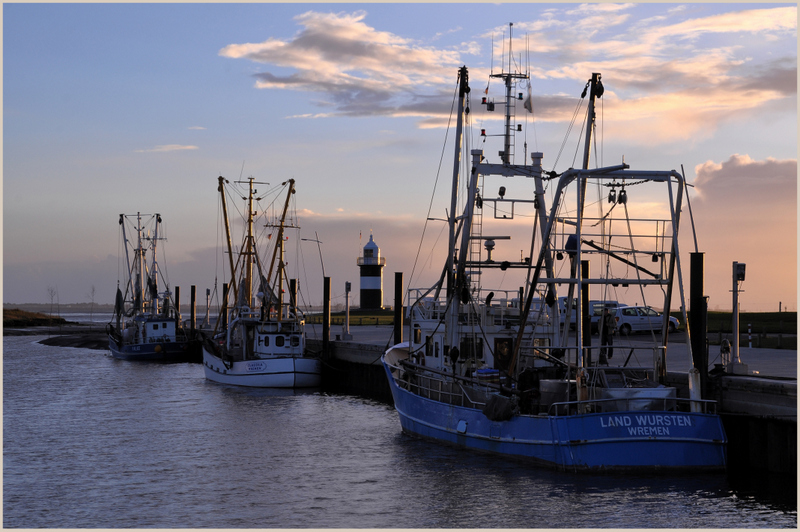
column 126, row 108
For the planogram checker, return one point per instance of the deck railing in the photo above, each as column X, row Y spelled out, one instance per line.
column 452, row 391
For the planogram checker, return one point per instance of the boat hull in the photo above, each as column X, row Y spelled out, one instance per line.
column 154, row 352
column 275, row 372
column 617, row 441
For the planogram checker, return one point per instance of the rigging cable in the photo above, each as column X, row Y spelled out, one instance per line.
column 435, row 184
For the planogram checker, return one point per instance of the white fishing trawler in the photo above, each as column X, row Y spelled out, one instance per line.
column 259, row 339
column 493, row 368
column 146, row 324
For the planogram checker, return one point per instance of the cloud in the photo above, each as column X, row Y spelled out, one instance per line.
column 363, row 71
column 167, row 147
column 197, row 127
column 745, row 210
column 741, row 181
column 663, row 74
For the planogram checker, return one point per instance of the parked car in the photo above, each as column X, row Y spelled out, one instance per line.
column 642, row 319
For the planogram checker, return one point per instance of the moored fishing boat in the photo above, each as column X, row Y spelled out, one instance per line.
column 259, row 338
column 497, row 370
column 146, row 324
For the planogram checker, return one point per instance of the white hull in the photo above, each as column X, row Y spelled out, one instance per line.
column 275, row 372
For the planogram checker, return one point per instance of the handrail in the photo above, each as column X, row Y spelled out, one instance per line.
column 555, row 409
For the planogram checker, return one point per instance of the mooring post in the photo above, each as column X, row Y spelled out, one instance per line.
column 326, row 315
column 177, row 303
column 224, row 308
column 698, row 318
column 192, row 307
column 293, row 296
column 585, row 317
column 398, row 307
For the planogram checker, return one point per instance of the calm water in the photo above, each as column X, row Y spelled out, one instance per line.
column 89, row 441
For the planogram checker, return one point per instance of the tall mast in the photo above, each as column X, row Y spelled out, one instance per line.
column 127, row 257
column 463, row 89
column 140, row 262
column 154, row 273
column 278, row 251
column 595, row 87
column 595, row 91
column 248, row 275
column 508, row 80
column 221, row 189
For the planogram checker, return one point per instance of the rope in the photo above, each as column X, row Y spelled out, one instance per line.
column 435, row 184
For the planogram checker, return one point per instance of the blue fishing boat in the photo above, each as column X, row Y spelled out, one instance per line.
column 494, row 368
column 146, row 324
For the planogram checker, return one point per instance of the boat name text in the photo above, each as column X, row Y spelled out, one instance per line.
column 646, row 424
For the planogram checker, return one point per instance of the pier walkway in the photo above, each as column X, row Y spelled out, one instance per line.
column 766, row 362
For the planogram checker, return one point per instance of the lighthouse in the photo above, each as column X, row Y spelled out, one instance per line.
column 371, row 265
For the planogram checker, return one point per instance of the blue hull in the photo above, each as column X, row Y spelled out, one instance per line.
column 617, row 441
column 156, row 352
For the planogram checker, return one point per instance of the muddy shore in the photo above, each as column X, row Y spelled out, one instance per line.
column 65, row 335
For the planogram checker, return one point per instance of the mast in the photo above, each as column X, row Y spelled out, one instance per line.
column 463, row 89
column 248, row 270
column 278, row 251
column 596, row 90
column 221, row 189
column 451, row 318
column 154, row 271
column 595, row 87
column 508, row 80
column 127, row 258
column 139, row 264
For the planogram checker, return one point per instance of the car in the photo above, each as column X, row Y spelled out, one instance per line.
column 642, row 319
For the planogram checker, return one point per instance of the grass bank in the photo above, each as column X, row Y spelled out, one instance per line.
column 15, row 317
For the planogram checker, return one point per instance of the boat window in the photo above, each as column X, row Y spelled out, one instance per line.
column 155, row 326
column 428, row 345
column 266, row 340
column 279, row 341
column 295, row 341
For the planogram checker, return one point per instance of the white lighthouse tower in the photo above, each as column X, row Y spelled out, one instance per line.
column 371, row 265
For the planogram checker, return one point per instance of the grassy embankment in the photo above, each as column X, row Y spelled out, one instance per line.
column 768, row 329
column 15, row 317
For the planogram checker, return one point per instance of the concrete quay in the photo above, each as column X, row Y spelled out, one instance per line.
column 761, row 362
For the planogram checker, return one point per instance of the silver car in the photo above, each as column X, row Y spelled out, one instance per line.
column 640, row 319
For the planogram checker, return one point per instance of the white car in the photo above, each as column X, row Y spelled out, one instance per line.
column 642, row 319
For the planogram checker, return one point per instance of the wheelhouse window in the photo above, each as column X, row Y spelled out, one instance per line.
column 279, row 341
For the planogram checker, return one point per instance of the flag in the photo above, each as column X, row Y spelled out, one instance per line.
column 528, row 104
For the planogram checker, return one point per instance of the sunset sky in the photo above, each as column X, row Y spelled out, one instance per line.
column 125, row 108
